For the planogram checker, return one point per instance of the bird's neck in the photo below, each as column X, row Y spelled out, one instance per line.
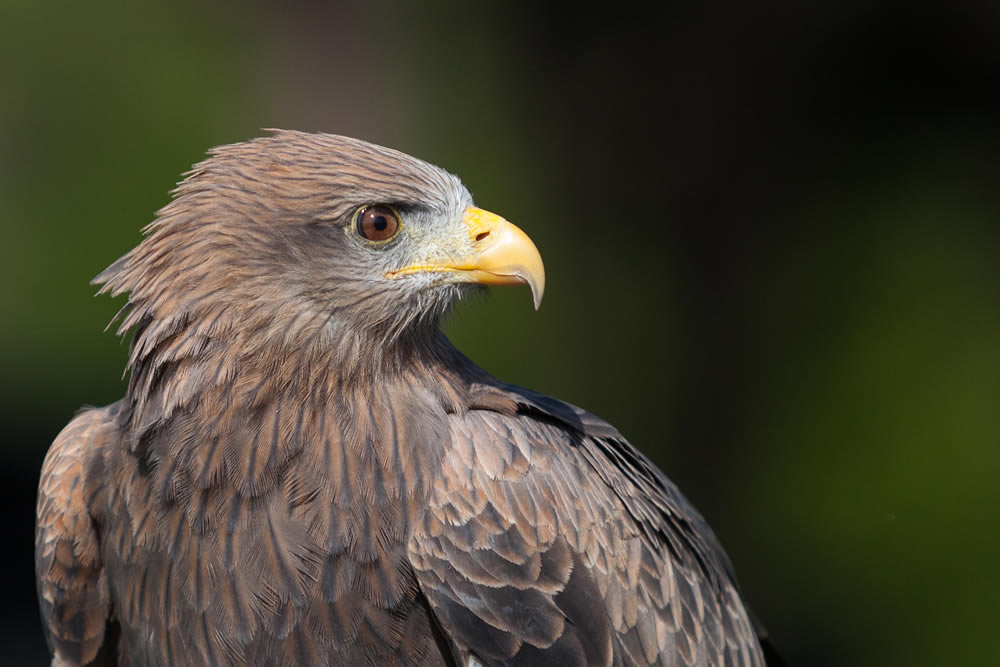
column 248, row 421
column 188, row 368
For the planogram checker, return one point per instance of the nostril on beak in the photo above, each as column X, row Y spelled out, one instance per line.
column 482, row 235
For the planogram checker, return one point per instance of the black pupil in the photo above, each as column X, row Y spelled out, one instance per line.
column 381, row 223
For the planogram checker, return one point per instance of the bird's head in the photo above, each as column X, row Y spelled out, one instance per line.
column 317, row 237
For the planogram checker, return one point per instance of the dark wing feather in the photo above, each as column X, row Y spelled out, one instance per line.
column 549, row 539
column 72, row 585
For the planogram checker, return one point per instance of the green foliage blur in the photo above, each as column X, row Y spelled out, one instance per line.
column 771, row 236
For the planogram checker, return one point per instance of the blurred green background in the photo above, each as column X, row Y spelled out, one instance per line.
column 771, row 237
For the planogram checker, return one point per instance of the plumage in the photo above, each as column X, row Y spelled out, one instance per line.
column 304, row 471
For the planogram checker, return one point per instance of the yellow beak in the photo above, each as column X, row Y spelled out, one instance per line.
column 502, row 255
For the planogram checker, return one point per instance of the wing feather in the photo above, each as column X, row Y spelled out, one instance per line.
column 550, row 539
column 72, row 585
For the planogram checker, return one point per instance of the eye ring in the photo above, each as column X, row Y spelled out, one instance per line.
column 377, row 223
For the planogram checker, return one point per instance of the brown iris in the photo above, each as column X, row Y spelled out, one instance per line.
column 377, row 222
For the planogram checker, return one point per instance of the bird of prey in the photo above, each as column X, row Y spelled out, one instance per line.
column 304, row 471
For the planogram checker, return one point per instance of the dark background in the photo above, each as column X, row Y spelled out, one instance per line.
column 771, row 237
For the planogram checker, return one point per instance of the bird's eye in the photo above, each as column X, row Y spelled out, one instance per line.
column 377, row 222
